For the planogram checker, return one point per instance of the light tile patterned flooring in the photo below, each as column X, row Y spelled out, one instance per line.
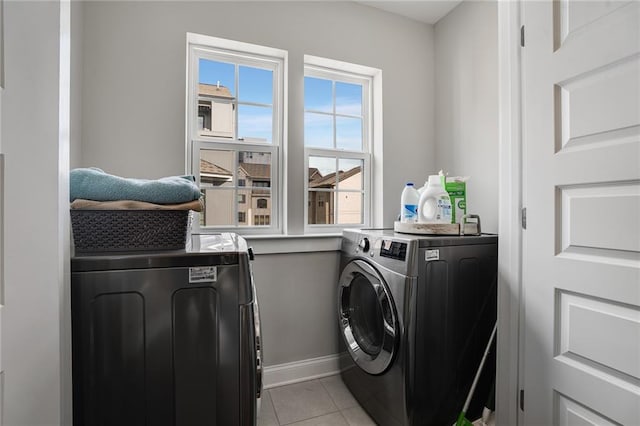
column 321, row 402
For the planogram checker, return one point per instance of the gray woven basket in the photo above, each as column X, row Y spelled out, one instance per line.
column 129, row 230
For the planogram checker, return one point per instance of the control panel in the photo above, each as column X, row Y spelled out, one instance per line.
column 393, row 249
column 364, row 244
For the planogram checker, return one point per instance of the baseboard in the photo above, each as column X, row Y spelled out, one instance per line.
column 300, row 371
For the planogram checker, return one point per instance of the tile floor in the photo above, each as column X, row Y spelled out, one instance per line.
column 321, row 402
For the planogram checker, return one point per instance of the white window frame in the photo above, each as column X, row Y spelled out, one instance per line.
column 218, row 49
column 348, row 73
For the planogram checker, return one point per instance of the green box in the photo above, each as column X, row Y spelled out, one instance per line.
column 457, row 189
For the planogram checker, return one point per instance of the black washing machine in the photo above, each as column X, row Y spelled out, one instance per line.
column 416, row 314
column 166, row 338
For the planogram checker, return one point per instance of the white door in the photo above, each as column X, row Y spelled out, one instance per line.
column 1, row 211
column 1, row 254
column 1, row 217
column 581, row 173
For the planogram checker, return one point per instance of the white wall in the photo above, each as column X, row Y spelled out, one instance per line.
column 466, row 46
column 35, row 355
column 134, row 80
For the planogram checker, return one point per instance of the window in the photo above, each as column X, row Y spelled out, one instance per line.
column 235, row 119
column 338, row 145
column 261, row 220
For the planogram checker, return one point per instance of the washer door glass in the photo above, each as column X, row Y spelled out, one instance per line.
column 367, row 317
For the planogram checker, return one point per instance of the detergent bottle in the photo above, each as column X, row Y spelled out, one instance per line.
column 409, row 204
column 434, row 205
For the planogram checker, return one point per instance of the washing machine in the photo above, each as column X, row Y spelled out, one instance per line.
column 415, row 315
column 166, row 338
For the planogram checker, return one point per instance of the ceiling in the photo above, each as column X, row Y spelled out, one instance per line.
column 428, row 11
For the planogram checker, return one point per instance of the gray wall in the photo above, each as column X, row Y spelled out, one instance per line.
column 35, row 327
column 466, row 43
column 134, row 80
column 75, row 151
column 297, row 295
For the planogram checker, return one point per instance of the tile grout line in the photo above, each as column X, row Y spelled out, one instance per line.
column 345, row 419
column 330, row 396
column 310, row 418
column 273, row 406
column 275, row 412
column 320, row 415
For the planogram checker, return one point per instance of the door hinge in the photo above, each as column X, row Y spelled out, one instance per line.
column 522, row 399
column 523, row 217
column 522, row 36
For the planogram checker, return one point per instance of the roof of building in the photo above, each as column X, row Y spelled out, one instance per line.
column 257, row 171
column 214, row 90
column 208, row 167
column 330, row 179
column 314, row 174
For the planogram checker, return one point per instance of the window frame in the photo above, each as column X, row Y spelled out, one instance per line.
column 337, row 71
column 241, row 54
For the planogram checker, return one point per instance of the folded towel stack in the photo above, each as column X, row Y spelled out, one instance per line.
column 92, row 188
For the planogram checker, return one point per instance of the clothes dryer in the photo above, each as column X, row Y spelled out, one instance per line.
column 415, row 314
column 166, row 338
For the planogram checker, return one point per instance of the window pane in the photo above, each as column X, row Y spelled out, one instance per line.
column 348, row 98
column 257, row 209
column 350, row 174
column 216, row 168
column 216, row 85
column 318, row 130
column 255, row 85
column 244, row 206
column 349, row 207
column 213, row 72
column 218, row 207
column 254, row 170
column 255, row 124
column 349, row 133
column 318, row 94
column 322, row 172
column 320, row 208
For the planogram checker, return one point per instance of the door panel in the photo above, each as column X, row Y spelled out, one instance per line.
column 572, row 16
column 583, row 102
column 613, row 354
column 583, row 208
column 581, row 248
column 571, row 413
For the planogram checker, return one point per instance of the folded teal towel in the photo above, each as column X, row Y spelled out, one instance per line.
column 95, row 184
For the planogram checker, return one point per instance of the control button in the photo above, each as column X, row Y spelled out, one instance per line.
column 364, row 244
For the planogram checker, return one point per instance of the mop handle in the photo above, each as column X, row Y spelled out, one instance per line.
column 475, row 379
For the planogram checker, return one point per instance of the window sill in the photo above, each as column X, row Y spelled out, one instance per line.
column 307, row 243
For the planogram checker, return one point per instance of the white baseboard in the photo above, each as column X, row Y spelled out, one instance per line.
column 300, row 371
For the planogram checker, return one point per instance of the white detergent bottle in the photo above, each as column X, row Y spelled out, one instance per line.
column 434, row 205
column 421, row 189
column 409, row 204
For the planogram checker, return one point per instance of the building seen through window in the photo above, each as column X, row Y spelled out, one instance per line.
column 253, row 188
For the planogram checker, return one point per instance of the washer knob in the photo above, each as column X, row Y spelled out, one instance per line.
column 364, row 244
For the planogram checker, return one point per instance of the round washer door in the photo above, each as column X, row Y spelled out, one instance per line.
column 367, row 317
